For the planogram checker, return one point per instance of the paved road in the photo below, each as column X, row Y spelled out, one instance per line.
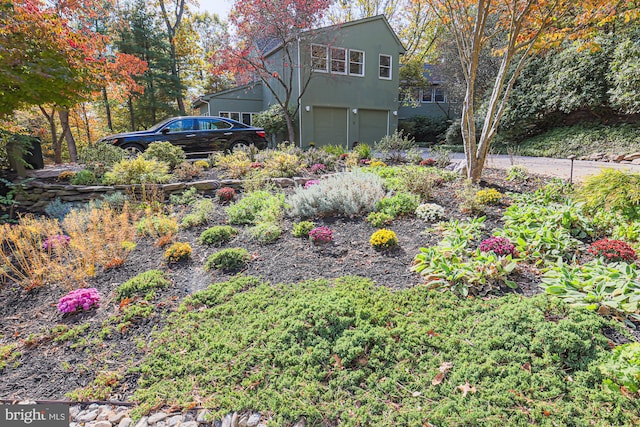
column 560, row 168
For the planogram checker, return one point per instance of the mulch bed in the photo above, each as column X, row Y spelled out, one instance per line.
column 48, row 369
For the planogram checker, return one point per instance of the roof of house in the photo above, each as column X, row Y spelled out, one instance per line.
column 271, row 48
column 203, row 98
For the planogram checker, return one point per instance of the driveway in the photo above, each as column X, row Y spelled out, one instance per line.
column 560, row 168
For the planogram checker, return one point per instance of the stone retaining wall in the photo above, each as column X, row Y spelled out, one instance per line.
column 34, row 196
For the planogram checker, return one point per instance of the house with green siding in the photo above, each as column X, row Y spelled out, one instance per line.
column 352, row 92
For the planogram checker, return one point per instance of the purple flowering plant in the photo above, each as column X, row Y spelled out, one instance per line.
column 498, row 245
column 318, row 167
column 321, row 235
column 79, row 300
column 310, row 183
column 55, row 242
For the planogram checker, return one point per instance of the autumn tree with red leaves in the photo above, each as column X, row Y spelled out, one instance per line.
column 519, row 29
column 263, row 27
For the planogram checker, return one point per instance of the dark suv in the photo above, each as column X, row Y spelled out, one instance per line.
column 198, row 136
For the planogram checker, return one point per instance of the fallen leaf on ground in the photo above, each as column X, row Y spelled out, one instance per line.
column 444, row 369
column 466, row 388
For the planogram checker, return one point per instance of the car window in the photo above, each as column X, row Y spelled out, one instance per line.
column 212, row 124
column 180, row 125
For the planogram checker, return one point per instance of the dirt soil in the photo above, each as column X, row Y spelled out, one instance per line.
column 47, row 369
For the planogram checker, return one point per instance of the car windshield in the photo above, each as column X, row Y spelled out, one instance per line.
column 157, row 127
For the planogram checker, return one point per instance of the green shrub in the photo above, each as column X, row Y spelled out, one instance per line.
column 233, row 165
column 99, row 158
column 314, row 156
column 266, row 232
column 420, row 181
column 517, row 173
column 379, row 219
column 334, row 149
column 200, row 212
column 400, row 204
column 179, row 251
column 232, row 259
column 217, row 235
column 84, row 177
column 424, row 129
column 622, row 369
column 342, row 194
column 143, row 283
column 166, row 152
column 187, row 197
column 255, row 205
column 392, row 357
column 608, row 288
column 187, row 171
column 137, row 171
column 156, row 225
column 302, row 228
column 612, row 190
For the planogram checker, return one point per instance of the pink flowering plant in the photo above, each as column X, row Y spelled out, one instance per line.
column 318, row 168
column 79, row 300
column 311, row 183
column 56, row 242
column 321, row 235
column 498, row 245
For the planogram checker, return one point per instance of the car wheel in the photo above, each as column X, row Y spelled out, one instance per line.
column 133, row 150
column 239, row 145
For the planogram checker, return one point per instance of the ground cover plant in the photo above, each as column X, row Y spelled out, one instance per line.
column 344, row 332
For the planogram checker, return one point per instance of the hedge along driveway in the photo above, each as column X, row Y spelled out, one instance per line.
column 350, row 353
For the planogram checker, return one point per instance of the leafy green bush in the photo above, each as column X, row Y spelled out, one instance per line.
column 137, row 171
column 155, row 225
column 379, row 219
column 84, row 177
column 187, row 171
column 266, row 232
column 200, row 212
column 517, row 173
column 166, row 152
column 217, row 235
column 612, row 288
column 302, row 228
column 400, row 204
column 143, row 283
column 254, row 206
column 232, row 259
column 342, row 194
column 187, row 197
column 424, row 129
column 622, row 368
column 612, row 190
column 348, row 343
column 99, row 158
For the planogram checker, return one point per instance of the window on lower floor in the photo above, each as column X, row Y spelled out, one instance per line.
column 246, row 118
column 433, row 94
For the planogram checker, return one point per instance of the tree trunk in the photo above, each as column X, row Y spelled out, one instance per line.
column 57, row 143
column 132, row 119
column 176, row 79
column 290, row 128
column 85, row 122
column 107, row 108
column 68, row 136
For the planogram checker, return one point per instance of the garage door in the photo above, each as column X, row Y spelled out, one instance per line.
column 373, row 125
column 330, row 126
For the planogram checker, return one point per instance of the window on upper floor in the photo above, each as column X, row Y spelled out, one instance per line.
column 433, row 94
column 356, row 62
column 385, row 67
column 319, row 58
column 339, row 60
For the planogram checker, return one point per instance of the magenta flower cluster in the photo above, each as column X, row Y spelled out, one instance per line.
column 56, row 241
column 321, row 235
column 498, row 245
column 310, row 183
column 318, row 167
column 79, row 299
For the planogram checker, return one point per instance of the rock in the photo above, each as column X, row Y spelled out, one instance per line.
column 74, row 411
column 242, row 422
column 254, row 419
column 102, row 423
column 103, row 413
column 616, row 157
column 189, row 424
column 460, row 168
column 173, row 420
column 302, row 422
column 631, row 157
column 226, row 421
column 161, row 424
column 203, row 416
column 284, row 182
column 234, row 420
column 143, row 422
column 635, row 162
column 116, row 417
column 205, row 185
column 125, row 422
column 158, row 416
column 86, row 416
column 596, row 156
